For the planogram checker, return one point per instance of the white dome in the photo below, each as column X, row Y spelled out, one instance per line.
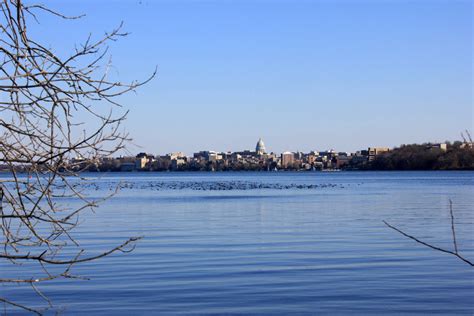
column 260, row 148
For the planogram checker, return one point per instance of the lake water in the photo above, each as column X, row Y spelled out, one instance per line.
column 271, row 243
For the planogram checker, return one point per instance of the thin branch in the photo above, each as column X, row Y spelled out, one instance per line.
column 429, row 245
column 20, row 306
column 452, row 226
column 40, row 257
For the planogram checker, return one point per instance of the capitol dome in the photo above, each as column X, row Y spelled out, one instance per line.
column 260, row 148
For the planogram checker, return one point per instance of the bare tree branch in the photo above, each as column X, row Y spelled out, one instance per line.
column 454, row 253
column 54, row 112
column 34, row 311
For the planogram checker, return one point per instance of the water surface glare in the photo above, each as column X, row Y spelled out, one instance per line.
column 271, row 243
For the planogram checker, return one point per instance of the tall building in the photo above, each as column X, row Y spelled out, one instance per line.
column 287, row 159
column 260, row 148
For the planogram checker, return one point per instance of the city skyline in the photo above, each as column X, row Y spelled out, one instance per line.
column 300, row 74
column 269, row 149
column 260, row 149
column 427, row 156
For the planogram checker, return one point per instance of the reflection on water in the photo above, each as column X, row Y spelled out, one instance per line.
column 294, row 243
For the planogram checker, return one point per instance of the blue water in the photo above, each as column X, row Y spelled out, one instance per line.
column 270, row 243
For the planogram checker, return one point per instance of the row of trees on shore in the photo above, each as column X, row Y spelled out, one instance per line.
column 458, row 156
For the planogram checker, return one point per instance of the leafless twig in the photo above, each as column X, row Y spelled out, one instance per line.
column 26, row 308
column 454, row 253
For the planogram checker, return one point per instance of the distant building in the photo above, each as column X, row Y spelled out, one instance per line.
column 342, row 160
column 213, row 156
column 260, row 148
column 143, row 161
column 441, row 146
column 177, row 163
column 373, row 152
column 202, row 155
column 287, row 159
column 311, row 158
column 162, row 163
column 298, row 155
column 329, row 154
column 177, row 155
column 246, row 153
column 140, row 162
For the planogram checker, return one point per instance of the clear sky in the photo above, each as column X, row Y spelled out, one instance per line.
column 303, row 75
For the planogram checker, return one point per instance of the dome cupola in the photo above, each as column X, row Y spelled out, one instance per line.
column 260, row 148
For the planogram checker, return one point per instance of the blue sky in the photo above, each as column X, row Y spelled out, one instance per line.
column 303, row 75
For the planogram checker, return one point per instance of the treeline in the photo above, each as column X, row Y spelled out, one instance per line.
column 457, row 156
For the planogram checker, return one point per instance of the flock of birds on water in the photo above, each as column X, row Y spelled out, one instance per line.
column 210, row 185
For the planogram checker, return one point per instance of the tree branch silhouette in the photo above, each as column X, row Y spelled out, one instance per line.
column 455, row 245
column 56, row 114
